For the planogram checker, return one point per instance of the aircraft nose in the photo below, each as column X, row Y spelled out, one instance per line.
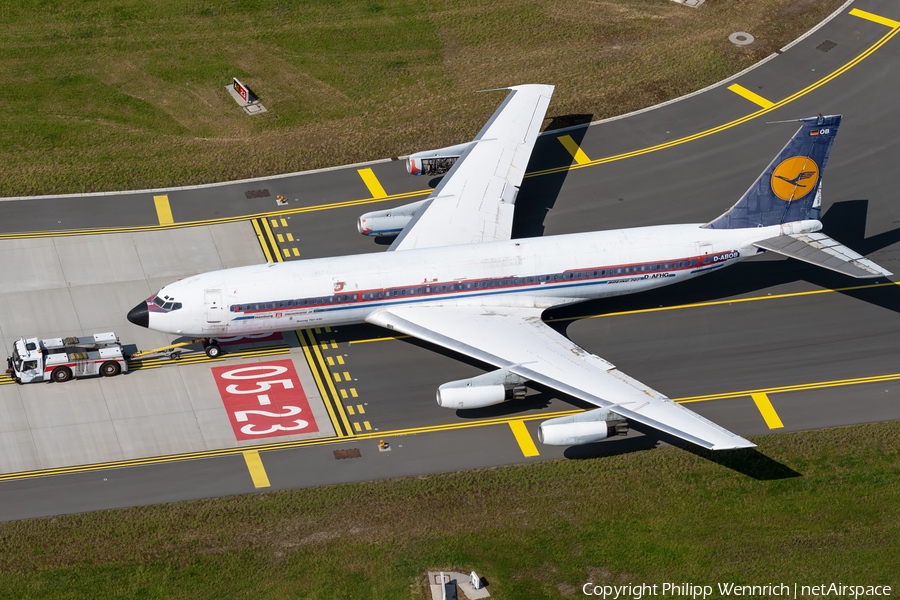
column 139, row 315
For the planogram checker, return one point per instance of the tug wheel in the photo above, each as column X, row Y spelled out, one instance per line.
column 110, row 368
column 62, row 374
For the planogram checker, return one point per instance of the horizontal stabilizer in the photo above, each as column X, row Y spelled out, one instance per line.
column 819, row 249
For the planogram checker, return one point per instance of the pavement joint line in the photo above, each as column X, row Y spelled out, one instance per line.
column 334, row 394
column 343, row 204
column 414, row 431
column 163, row 210
column 767, row 411
column 523, row 438
column 751, row 96
column 322, row 391
column 256, row 468
column 574, row 149
column 372, row 183
column 876, row 18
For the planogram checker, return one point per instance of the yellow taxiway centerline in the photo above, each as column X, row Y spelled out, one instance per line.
column 574, row 149
column 372, row 183
column 867, row 15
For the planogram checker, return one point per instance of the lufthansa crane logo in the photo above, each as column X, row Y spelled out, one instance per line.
column 794, row 178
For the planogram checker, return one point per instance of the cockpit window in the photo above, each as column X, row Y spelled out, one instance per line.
column 176, row 306
column 158, row 301
column 167, row 305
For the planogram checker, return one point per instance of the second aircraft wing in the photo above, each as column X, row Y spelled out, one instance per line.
column 518, row 340
column 474, row 201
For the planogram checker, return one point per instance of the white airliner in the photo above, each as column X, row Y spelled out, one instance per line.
column 453, row 277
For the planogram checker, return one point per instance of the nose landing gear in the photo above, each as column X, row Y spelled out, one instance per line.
column 212, row 348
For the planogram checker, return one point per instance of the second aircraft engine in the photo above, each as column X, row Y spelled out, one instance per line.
column 390, row 222
column 435, row 162
column 485, row 390
column 583, row 428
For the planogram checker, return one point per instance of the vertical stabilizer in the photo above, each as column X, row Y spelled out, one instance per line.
column 787, row 190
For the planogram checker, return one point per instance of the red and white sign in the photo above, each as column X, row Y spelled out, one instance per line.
column 264, row 400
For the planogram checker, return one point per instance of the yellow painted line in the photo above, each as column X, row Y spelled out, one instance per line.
column 867, row 15
column 262, row 240
column 523, row 437
column 274, row 222
column 333, row 344
column 356, row 426
column 271, row 238
column 752, row 97
column 296, row 252
column 372, row 183
column 368, row 427
column 350, row 410
column 411, row 431
column 338, row 405
column 360, row 409
column 317, row 330
column 280, row 238
column 340, row 360
column 287, row 253
column 284, row 222
column 163, row 210
column 767, row 410
column 327, row 330
column 344, row 395
column 337, row 377
column 257, row 471
column 346, row 376
column 353, row 393
column 322, row 391
column 573, row 148
column 290, row 237
column 763, row 111
column 330, row 361
column 381, row 339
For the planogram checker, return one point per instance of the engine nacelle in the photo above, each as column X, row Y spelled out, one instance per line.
column 390, row 222
column 435, row 162
column 583, row 428
column 485, row 390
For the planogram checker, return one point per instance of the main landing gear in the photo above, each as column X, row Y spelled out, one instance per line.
column 212, row 348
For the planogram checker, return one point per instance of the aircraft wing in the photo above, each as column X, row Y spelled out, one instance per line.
column 517, row 339
column 475, row 200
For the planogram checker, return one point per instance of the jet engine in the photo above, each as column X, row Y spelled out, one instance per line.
column 390, row 222
column 583, row 428
column 485, row 390
column 435, row 162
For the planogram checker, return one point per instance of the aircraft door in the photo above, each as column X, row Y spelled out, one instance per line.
column 214, row 309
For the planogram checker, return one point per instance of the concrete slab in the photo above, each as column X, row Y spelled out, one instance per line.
column 44, row 313
column 104, row 306
column 216, row 428
column 29, row 268
column 17, row 452
column 235, row 247
column 12, row 412
column 144, row 393
column 175, row 253
column 159, row 434
column 63, row 404
column 99, row 259
column 80, row 444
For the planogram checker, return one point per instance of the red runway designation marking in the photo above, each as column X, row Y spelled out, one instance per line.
column 264, row 400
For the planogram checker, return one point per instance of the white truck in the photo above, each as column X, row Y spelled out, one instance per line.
column 61, row 359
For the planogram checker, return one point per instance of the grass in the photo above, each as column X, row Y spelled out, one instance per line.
column 809, row 508
column 103, row 96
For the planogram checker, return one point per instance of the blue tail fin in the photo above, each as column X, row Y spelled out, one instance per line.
column 786, row 190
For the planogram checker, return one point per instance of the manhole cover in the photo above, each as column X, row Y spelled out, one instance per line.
column 351, row 453
column 741, row 38
column 826, row 45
